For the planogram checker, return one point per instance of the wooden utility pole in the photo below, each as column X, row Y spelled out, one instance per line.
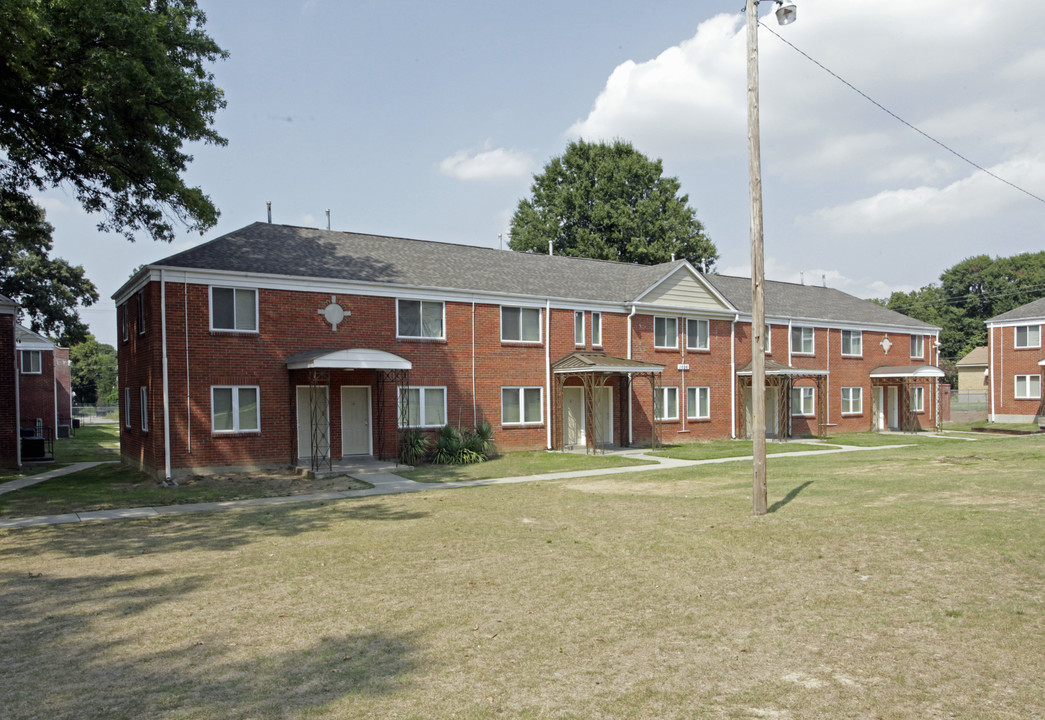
column 758, row 297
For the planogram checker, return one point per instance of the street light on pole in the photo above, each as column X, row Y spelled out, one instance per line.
column 786, row 13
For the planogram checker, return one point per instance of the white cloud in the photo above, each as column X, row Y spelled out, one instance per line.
column 495, row 164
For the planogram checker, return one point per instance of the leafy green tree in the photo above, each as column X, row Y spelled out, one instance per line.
column 609, row 202
column 93, row 372
column 48, row 289
column 98, row 96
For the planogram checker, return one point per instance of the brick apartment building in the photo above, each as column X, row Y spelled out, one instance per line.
column 1016, row 361
column 275, row 343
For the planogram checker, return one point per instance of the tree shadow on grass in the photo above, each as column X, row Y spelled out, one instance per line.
column 790, row 496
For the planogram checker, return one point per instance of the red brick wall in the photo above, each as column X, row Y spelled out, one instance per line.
column 36, row 393
column 8, row 404
column 1010, row 361
column 63, row 385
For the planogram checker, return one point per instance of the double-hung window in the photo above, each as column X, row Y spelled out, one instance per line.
column 519, row 324
column 917, row 399
column 917, row 346
column 578, row 327
column 698, row 403
column 697, row 334
column 422, row 406
column 1028, row 336
column 665, row 332
column 234, row 409
column 419, row 319
column 1028, row 387
column 32, row 363
column 124, row 322
column 666, row 403
column 852, row 400
column 144, row 396
column 596, row 329
column 141, row 312
column 801, row 340
column 521, row 405
column 234, row 309
column 802, row 401
column 852, row 342
column 127, row 407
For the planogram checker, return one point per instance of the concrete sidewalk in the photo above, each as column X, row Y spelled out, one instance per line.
column 384, row 483
column 20, row 483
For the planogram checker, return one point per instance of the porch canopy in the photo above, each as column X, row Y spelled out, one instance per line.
column 353, row 359
column 920, row 372
column 783, row 376
column 594, row 369
column 907, row 375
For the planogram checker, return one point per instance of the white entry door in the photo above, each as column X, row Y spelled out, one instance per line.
column 879, row 402
column 573, row 415
column 355, row 421
column 772, row 414
column 604, row 416
column 304, row 413
column 894, row 407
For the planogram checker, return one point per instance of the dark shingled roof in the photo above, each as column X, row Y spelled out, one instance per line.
column 308, row 252
column 1030, row 311
column 813, row 303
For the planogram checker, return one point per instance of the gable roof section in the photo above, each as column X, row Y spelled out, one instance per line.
column 684, row 287
column 977, row 357
column 26, row 339
column 1034, row 310
column 265, row 248
column 812, row 303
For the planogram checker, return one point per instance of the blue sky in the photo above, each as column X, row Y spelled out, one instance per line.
column 428, row 120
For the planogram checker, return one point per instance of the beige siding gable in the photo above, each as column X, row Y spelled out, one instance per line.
column 682, row 289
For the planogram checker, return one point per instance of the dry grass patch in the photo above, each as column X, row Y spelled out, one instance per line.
column 551, row 600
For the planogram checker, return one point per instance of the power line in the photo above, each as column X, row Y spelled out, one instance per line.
column 965, row 298
column 897, row 117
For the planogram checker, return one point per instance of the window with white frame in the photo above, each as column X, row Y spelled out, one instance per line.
column 124, row 322
column 234, row 408
column 32, row 362
column 665, row 332
column 578, row 327
column 852, row 342
column 917, row 346
column 802, row 401
column 521, row 405
column 1028, row 387
column 852, row 400
column 143, row 393
column 141, row 311
column 424, row 406
column 918, row 399
column 127, row 407
column 234, row 309
column 666, row 403
column 519, row 324
column 419, row 319
column 596, row 329
column 1028, row 336
column 698, row 403
column 767, row 340
column 801, row 340
column 697, row 334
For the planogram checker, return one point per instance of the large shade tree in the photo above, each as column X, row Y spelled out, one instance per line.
column 99, row 96
column 93, row 372
column 609, row 202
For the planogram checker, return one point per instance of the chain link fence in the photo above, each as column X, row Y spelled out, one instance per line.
column 94, row 414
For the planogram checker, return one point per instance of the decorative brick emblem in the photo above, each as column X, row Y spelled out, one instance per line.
column 886, row 344
column 334, row 313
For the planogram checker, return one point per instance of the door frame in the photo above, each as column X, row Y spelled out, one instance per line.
column 297, row 419
column 369, row 421
column 582, row 436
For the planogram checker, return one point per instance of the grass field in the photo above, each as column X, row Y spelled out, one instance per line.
column 887, row 583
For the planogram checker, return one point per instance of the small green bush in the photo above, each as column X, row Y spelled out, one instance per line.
column 414, row 446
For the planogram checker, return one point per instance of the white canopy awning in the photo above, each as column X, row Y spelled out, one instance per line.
column 354, row 359
column 907, row 371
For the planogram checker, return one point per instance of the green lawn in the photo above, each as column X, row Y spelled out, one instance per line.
column 712, row 449
column 91, row 443
column 891, row 584
column 515, row 464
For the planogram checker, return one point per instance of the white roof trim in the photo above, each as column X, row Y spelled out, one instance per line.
column 354, row 359
column 697, row 276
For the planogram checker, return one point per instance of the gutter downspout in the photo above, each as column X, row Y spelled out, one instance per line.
column 188, row 379
column 475, row 411
column 166, row 386
column 992, row 375
column 733, row 376
column 631, row 423
column 548, row 368
column 18, row 400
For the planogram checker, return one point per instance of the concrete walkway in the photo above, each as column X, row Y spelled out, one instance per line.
column 12, row 485
column 384, row 483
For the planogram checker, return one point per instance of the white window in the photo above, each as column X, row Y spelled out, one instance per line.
column 32, row 362
column 917, row 346
column 1028, row 336
column 596, row 329
column 520, row 324
column 666, row 403
column 233, row 309
column 127, row 407
column 124, row 321
column 665, row 332
column 234, row 409
column 1028, row 387
column 141, row 312
column 144, row 397
column 767, row 340
column 802, row 401
column 578, row 327
column 852, row 400
column 425, row 406
column 917, row 399
column 852, row 342
column 698, row 403
column 801, row 340
column 419, row 319
column 521, row 405
column 697, row 334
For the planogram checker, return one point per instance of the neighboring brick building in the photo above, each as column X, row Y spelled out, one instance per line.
column 9, row 445
column 275, row 343
column 1016, row 358
column 45, row 384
